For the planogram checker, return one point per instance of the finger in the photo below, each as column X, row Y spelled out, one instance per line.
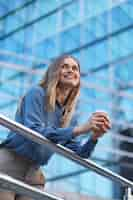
column 98, row 123
column 101, row 114
column 101, row 127
column 108, row 125
column 104, row 129
column 96, row 128
column 100, row 118
column 103, row 123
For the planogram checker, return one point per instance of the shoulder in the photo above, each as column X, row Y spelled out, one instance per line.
column 34, row 94
column 36, row 91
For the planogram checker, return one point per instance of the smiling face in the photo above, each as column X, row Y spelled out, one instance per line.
column 69, row 74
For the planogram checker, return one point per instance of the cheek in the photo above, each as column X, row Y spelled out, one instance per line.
column 60, row 75
column 77, row 76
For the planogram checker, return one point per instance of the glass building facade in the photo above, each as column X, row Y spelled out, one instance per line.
column 99, row 34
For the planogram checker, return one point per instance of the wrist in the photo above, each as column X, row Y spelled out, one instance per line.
column 78, row 130
column 94, row 137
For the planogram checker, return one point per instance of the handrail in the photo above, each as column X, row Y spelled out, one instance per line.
column 9, row 183
column 38, row 138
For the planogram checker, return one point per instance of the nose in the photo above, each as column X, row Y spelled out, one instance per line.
column 70, row 69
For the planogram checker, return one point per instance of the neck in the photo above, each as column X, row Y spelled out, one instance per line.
column 62, row 93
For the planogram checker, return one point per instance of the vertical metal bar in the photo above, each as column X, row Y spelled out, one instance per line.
column 128, row 194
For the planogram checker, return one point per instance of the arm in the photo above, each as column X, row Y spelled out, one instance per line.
column 82, row 150
column 32, row 106
column 98, row 124
column 34, row 111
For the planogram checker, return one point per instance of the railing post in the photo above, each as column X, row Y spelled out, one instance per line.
column 128, row 194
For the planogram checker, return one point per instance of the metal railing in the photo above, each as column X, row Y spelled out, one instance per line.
column 7, row 182
column 38, row 138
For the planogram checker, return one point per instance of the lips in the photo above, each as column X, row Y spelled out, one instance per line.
column 68, row 76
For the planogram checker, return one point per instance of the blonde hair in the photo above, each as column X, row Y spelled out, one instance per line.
column 49, row 83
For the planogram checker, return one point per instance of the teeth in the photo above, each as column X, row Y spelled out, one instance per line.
column 68, row 76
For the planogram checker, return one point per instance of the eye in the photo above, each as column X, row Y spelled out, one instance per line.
column 75, row 68
column 64, row 66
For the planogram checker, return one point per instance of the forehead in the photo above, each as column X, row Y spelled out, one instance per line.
column 69, row 61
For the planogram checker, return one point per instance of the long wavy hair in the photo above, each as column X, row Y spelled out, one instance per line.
column 50, row 82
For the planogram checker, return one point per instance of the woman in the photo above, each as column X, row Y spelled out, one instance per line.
column 48, row 109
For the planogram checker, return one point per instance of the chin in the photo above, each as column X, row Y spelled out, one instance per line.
column 69, row 83
column 72, row 85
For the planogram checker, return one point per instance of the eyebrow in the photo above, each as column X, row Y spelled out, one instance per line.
column 68, row 65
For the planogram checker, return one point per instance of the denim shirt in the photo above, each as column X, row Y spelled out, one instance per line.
column 32, row 114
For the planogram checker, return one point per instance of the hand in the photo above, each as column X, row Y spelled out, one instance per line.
column 100, row 124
